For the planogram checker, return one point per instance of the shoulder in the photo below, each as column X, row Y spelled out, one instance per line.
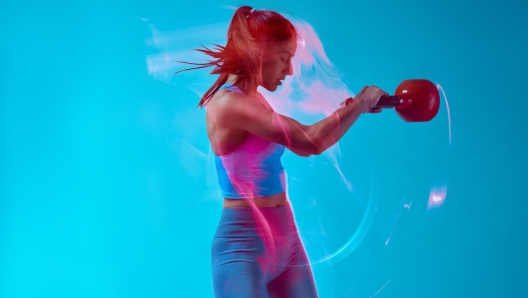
column 238, row 111
column 234, row 103
column 225, row 97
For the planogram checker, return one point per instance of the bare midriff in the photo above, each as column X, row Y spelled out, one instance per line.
column 275, row 200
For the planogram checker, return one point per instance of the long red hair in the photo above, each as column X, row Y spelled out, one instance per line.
column 250, row 33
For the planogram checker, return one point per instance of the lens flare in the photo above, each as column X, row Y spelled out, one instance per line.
column 436, row 197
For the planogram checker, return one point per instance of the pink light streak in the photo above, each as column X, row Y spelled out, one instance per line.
column 314, row 91
column 448, row 111
column 437, row 197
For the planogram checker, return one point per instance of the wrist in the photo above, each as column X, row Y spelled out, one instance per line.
column 345, row 102
column 355, row 104
column 348, row 101
column 361, row 105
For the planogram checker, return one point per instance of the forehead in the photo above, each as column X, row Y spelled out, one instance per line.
column 285, row 48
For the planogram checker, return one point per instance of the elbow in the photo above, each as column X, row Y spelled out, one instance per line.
column 317, row 151
column 314, row 144
column 314, row 149
column 309, row 141
column 302, row 153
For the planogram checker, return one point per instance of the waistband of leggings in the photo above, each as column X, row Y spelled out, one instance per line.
column 282, row 215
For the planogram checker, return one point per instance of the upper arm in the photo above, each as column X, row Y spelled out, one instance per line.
column 238, row 111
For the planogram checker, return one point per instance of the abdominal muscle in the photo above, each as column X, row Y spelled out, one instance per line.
column 275, row 200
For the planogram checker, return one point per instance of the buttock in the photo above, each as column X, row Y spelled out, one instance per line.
column 257, row 252
column 265, row 237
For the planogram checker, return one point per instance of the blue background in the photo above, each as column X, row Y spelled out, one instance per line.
column 102, row 193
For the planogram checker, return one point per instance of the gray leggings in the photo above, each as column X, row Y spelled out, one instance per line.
column 257, row 252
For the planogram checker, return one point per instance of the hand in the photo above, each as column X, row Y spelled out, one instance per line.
column 353, row 99
column 369, row 97
column 350, row 100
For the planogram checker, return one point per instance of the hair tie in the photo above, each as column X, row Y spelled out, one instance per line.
column 252, row 10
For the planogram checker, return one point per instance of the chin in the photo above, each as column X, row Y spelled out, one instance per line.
column 270, row 87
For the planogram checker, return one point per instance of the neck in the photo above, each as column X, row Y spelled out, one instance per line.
column 249, row 87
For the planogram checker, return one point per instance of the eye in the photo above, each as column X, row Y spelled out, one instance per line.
column 283, row 60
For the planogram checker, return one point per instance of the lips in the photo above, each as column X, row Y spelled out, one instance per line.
column 280, row 83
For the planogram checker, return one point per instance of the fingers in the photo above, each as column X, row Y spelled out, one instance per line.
column 375, row 94
column 378, row 88
column 362, row 91
column 374, row 110
column 371, row 94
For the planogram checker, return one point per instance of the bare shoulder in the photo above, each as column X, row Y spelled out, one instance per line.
column 235, row 109
column 224, row 99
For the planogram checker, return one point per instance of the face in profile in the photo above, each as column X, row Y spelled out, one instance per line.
column 277, row 64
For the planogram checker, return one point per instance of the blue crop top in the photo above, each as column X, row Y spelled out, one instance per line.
column 252, row 170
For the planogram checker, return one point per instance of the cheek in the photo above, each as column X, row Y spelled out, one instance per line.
column 265, row 67
column 271, row 68
column 277, row 67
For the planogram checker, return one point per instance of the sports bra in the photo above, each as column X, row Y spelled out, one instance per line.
column 254, row 169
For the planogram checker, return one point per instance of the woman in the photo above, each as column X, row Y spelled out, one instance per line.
column 256, row 251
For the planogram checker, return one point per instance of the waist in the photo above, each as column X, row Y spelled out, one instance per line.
column 275, row 200
column 250, row 183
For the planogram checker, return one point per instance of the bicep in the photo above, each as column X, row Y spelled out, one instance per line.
column 243, row 113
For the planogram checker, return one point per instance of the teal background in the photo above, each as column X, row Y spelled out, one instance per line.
column 105, row 190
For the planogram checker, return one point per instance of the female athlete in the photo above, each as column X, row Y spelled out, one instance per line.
column 256, row 251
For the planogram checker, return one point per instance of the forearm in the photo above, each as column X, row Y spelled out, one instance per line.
column 328, row 131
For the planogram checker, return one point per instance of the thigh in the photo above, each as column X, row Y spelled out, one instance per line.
column 239, row 284
column 295, row 281
column 237, row 271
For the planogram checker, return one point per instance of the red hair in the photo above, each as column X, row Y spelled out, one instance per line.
column 250, row 33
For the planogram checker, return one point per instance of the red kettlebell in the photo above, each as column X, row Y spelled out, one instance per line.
column 414, row 100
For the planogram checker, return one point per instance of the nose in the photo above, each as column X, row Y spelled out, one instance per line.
column 289, row 69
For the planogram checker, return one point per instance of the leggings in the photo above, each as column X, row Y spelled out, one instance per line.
column 257, row 252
